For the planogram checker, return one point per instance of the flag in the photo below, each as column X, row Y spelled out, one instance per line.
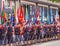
column 11, row 3
column 5, row 17
column 21, row 14
column 51, row 16
column 2, row 4
column 37, row 12
column 26, row 16
column 27, row 13
column 42, row 15
column 12, row 18
column 15, row 11
column 2, row 21
column 15, row 14
column 34, row 15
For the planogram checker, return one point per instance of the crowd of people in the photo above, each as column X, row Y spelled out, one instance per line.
column 9, row 34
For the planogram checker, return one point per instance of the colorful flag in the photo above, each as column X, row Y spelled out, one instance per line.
column 26, row 16
column 15, row 11
column 42, row 15
column 5, row 17
column 34, row 13
column 15, row 14
column 2, row 4
column 21, row 14
column 11, row 3
column 27, row 13
column 37, row 12
column 2, row 17
column 12, row 18
column 51, row 16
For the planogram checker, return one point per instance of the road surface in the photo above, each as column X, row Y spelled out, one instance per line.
column 51, row 43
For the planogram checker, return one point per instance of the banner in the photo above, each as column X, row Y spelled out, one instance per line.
column 27, row 17
column 21, row 14
column 34, row 15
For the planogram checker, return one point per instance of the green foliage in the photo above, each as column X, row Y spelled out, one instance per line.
column 55, row 0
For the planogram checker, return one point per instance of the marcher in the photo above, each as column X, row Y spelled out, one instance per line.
column 55, row 30
column 4, row 34
column 34, row 37
column 9, row 34
column 17, row 33
column 22, row 35
column 1, row 27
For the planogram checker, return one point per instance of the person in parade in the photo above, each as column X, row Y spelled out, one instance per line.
column 51, row 32
column 22, row 35
column 48, row 32
column 30, row 34
column 1, row 27
column 4, row 34
column 38, row 30
column 25, row 34
column 41, row 32
column 55, row 30
column 34, row 37
column 45, row 28
column 17, row 33
column 9, row 34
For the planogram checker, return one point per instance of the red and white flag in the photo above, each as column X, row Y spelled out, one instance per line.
column 2, row 4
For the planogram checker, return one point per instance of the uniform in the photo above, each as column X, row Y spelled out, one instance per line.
column 17, row 33
column 1, row 27
column 38, row 31
column 45, row 31
column 4, row 33
column 9, row 34
column 55, row 30
column 25, row 33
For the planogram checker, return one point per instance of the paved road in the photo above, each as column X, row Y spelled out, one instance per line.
column 51, row 43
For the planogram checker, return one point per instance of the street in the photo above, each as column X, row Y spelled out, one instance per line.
column 51, row 43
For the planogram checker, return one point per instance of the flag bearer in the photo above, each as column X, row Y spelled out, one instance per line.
column 17, row 33
column 22, row 35
column 55, row 30
column 9, row 34
column 1, row 34
column 4, row 33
